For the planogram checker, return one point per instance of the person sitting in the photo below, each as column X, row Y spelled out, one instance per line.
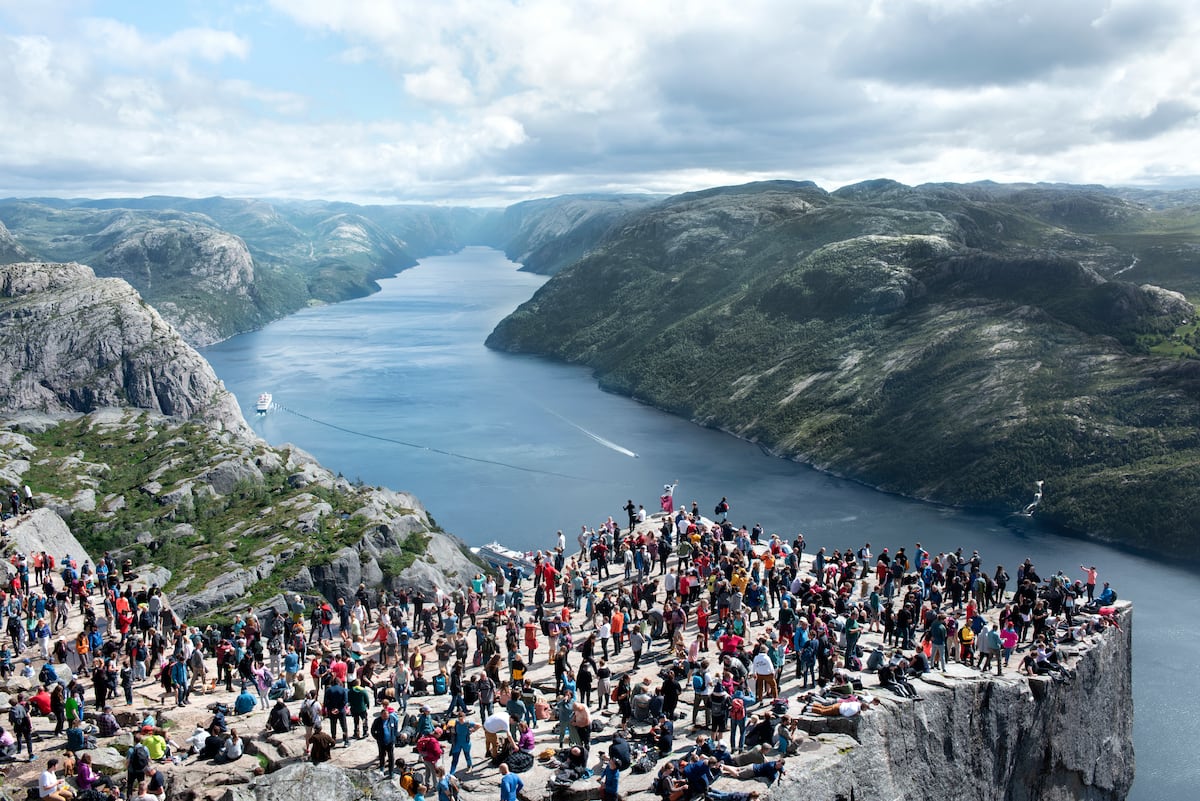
column 8, row 744
column 280, row 719
column 213, row 744
column 107, row 724
column 196, row 740
column 87, row 777
column 155, row 743
column 525, row 740
column 662, row 735
column 233, row 749
column 245, row 702
column 50, row 786
column 668, row 785
column 891, row 677
column 619, row 750
column 218, row 720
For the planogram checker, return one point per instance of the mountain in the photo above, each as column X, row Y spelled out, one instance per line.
column 548, row 234
column 10, row 249
column 951, row 342
column 121, row 428
column 215, row 267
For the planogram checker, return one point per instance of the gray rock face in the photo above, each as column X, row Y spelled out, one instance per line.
column 10, row 249
column 305, row 782
column 1005, row 739
column 71, row 341
column 44, row 530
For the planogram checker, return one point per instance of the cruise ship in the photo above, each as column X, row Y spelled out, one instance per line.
column 501, row 557
column 264, row 403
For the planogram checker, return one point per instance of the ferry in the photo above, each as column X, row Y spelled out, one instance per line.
column 264, row 403
column 501, row 557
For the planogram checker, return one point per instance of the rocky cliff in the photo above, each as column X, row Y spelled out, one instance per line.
column 123, row 430
column 10, row 249
column 1010, row 738
column 72, row 342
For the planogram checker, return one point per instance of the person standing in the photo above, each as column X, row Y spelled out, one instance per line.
column 461, row 744
column 384, row 730
column 1090, row 572
column 320, row 745
column 360, row 704
column 136, row 762
column 510, row 784
column 22, row 724
column 336, row 701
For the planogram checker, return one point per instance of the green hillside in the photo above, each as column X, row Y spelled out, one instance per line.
column 954, row 343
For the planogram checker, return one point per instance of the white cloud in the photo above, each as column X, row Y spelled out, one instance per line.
column 501, row 100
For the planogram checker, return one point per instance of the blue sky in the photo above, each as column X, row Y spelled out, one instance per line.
column 493, row 101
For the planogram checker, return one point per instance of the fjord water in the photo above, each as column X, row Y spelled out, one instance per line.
column 408, row 365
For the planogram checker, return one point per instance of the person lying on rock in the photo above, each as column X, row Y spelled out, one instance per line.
column 770, row 770
column 846, row 708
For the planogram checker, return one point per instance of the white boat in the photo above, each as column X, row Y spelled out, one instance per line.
column 264, row 403
column 501, row 557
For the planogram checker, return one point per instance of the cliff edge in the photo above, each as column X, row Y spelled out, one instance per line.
column 991, row 738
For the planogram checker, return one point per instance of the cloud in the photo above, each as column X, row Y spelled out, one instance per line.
column 499, row 100
column 964, row 43
column 1164, row 116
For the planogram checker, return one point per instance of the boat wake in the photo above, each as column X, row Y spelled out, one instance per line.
column 593, row 436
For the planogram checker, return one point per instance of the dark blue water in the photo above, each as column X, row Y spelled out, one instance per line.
column 409, row 364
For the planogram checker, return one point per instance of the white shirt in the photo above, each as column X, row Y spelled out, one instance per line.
column 762, row 665
column 47, row 783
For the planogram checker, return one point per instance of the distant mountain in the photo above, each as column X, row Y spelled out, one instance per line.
column 219, row 266
column 950, row 342
column 10, row 249
column 548, row 234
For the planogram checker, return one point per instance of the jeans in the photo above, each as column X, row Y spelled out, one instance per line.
column 466, row 749
column 737, row 733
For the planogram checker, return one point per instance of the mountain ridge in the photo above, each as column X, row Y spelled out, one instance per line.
column 931, row 342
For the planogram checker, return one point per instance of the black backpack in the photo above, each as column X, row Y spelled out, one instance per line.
column 139, row 759
column 18, row 716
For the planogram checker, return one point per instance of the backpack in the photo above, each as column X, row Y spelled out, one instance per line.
column 737, row 709
column 306, row 714
column 697, row 682
column 18, row 716
column 391, row 729
column 139, row 758
column 439, row 685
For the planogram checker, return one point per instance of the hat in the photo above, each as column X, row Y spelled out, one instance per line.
column 147, row 729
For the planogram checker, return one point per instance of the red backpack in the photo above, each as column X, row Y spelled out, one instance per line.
column 737, row 710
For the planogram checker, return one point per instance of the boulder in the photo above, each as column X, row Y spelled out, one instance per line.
column 45, row 530
column 106, row 760
column 226, row 476
column 306, row 782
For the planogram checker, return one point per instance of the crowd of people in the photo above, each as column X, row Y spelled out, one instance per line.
column 677, row 620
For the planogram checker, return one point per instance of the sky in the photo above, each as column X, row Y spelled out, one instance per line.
column 488, row 102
